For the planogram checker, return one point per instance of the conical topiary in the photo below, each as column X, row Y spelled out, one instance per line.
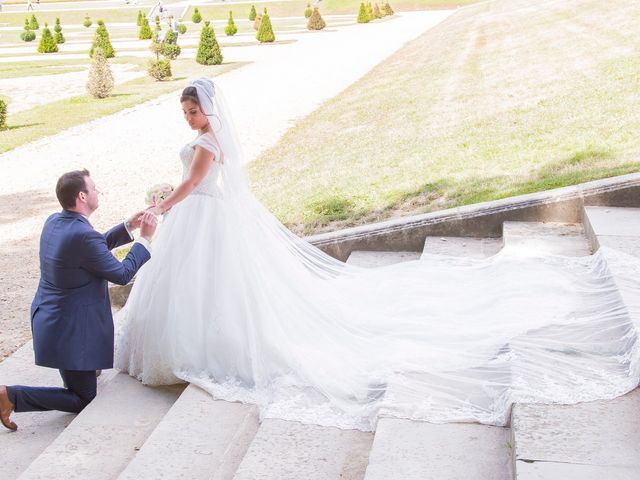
column 140, row 19
column 231, row 28
column 159, row 69
column 308, row 11
column 47, row 43
column 196, row 17
column 316, row 22
column 58, row 37
column 100, row 81
column 208, row 49
column 387, row 9
column 101, row 39
column 87, row 21
column 265, row 32
column 252, row 13
column 363, row 16
column 158, row 27
column 33, row 23
column 370, row 11
column 376, row 11
column 145, row 30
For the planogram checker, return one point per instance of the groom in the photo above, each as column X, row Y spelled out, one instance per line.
column 71, row 314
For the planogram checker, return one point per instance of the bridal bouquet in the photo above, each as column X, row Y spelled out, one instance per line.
column 158, row 193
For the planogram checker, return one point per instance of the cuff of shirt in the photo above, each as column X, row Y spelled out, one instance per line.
column 144, row 242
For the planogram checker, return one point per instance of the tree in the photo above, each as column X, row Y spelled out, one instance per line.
column 308, row 11
column 208, row 49
column 140, row 19
column 87, row 21
column 265, row 32
column 159, row 69
column 252, row 13
column 363, row 16
column 33, row 24
column 316, row 22
column 196, row 17
column 376, row 11
column 101, row 39
column 100, row 81
column 158, row 27
column 145, row 30
column 27, row 35
column 387, row 9
column 58, row 37
column 231, row 28
column 47, row 43
column 168, row 47
column 3, row 115
column 370, row 11
column 182, row 28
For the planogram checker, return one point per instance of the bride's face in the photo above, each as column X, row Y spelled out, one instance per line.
column 193, row 115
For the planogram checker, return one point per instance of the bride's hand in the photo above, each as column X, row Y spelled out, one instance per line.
column 155, row 210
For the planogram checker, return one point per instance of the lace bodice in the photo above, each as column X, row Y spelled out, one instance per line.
column 210, row 184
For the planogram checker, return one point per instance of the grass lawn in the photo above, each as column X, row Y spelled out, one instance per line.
column 54, row 117
column 501, row 99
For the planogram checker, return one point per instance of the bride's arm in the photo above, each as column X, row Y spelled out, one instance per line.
column 200, row 165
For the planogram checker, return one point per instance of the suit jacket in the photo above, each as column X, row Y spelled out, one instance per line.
column 71, row 313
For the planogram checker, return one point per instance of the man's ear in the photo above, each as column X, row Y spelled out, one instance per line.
column 82, row 197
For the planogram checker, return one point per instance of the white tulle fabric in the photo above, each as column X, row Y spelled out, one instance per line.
column 236, row 304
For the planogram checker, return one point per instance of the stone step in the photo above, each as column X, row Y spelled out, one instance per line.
column 408, row 450
column 293, row 451
column 594, row 440
column 36, row 430
column 361, row 258
column 199, row 438
column 567, row 239
column 470, row 247
column 614, row 227
column 105, row 436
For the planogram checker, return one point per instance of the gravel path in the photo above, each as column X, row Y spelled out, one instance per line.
column 131, row 150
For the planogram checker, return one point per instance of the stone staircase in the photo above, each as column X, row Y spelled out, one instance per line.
column 135, row 432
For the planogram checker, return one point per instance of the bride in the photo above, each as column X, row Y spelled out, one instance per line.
column 236, row 304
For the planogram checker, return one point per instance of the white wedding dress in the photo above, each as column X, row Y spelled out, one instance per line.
column 235, row 303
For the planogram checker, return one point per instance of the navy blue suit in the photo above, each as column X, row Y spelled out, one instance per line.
column 71, row 313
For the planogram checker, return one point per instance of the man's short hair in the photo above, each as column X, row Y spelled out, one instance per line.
column 69, row 185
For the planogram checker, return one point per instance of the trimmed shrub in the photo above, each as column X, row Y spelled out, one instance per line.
column 47, row 42
column 101, row 39
column 158, row 27
column 28, row 36
column 265, row 32
column 387, row 9
column 376, row 11
column 182, row 28
column 252, row 13
column 257, row 21
column 140, row 19
column 370, row 12
column 363, row 16
column 231, row 28
column 58, row 37
column 3, row 115
column 145, row 30
column 100, row 81
column 87, row 21
column 196, row 17
column 308, row 11
column 208, row 49
column 316, row 22
column 33, row 23
column 159, row 69
column 171, row 37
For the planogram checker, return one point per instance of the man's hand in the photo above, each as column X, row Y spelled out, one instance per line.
column 134, row 221
column 148, row 224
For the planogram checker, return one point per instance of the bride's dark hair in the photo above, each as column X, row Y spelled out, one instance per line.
column 190, row 93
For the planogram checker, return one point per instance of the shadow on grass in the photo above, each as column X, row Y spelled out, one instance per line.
column 26, row 125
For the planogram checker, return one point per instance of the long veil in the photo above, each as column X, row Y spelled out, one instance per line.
column 443, row 339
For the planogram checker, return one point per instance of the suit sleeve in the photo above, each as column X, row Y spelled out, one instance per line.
column 117, row 237
column 99, row 261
